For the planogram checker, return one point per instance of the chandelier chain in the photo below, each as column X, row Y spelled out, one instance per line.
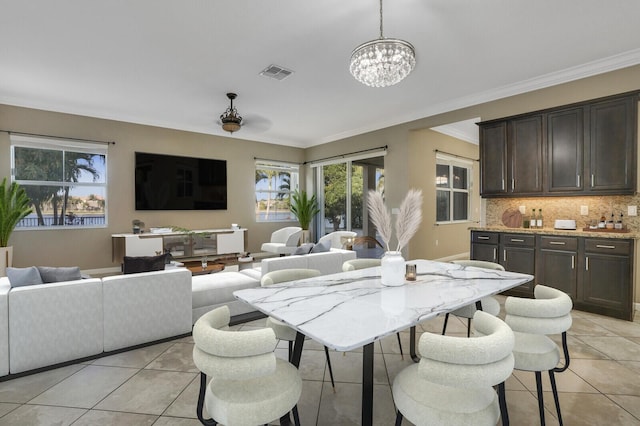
column 381, row 36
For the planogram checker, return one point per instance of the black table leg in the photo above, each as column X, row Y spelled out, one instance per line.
column 367, row 385
column 295, row 360
column 412, row 344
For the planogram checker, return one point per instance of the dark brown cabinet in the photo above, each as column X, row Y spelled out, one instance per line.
column 557, row 264
column 582, row 149
column 511, row 157
column 565, row 150
column 517, row 254
column 612, row 146
column 606, row 278
column 596, row 272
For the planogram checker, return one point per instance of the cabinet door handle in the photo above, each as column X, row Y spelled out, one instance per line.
column 513, row 184
column 503, row 184
column 495, row 254
column 504, row 255
column 578, row 181
column 481, row 237
column 592, row 180
column 557, row 243
column 586, row 263
column 573, row 262
column 517, row 240
column 605, row 246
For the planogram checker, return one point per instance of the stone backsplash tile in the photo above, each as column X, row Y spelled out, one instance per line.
column 567, row 208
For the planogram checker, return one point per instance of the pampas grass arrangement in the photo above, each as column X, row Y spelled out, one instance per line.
column 407, row 223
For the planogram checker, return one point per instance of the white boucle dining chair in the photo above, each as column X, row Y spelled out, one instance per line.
column 283, row 331
column 453, row 382
column 249, row 385
column 489, row 304
column 532, row 321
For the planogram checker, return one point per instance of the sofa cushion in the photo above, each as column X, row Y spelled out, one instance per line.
column 51, row 274
column 321, row 247
column 212, row 289
column 19, row 277
column 304, row 249
column 136, row 264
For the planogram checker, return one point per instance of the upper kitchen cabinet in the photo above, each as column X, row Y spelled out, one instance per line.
column 612, row 146
column 565, row 150
column 511, row 157
column 582, row 149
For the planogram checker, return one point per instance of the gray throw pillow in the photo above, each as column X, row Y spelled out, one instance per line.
column 321, row 247
column 132, row 265
column 19, row 277
column 304, row 248
column 52, row 274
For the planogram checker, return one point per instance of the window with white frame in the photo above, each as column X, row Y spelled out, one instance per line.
column 65, row 180
column 452, row 189
column 274, row 183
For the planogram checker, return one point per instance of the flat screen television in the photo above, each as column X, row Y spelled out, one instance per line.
column 169, row 182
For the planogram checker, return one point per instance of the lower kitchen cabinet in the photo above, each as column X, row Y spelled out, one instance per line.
column 596, row 272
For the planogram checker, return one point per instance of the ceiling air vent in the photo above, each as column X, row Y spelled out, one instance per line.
column 276, row 72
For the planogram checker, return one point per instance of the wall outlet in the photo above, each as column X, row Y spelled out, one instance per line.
column 584, row 210
column 523, row 209
column 632, row 210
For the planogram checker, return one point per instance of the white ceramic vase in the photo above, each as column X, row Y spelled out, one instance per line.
column 392, row 269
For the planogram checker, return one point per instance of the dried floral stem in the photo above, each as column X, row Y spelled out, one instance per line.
column 407, row 222
column 380, row 216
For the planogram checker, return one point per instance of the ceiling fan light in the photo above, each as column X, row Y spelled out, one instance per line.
column 231, row 120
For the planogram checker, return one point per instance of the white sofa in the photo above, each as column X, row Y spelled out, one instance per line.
column 46, row 324
column 214, row 290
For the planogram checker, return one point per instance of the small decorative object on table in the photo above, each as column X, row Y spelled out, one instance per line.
column 204, row 262
column 407, row 223
column 411, row 273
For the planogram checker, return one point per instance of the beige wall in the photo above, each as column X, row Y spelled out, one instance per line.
column 404, row 168
column 91, row 248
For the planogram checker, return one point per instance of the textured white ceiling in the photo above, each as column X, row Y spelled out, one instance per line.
column 169, row 63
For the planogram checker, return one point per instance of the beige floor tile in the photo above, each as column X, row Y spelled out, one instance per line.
column 578, row 348
column 631, row 403
column 620, row 327
column 590, row 409
column 97, row 417
column 26, row 388
column 344, row 408
column 395, row 364
column 609, row 377
column 348, row 369
column 615, row 347
column 7, row 407
column 40, row 415
column 178, row 357
column 588, row 327
column 137, row 358
column 176, row 421
column 148, row 392
column 309, row 402
column 513, row 384
column 186, row 403
column 85, row 388
column 567, row 381
column 523, row 410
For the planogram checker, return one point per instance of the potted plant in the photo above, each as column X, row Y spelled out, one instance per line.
column 304, row 208
column 14, row 206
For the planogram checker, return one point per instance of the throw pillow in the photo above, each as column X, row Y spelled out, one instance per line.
column 304, row 248
column 321, row 247
column 19, row 277
column 50, row 274
column 137, row 264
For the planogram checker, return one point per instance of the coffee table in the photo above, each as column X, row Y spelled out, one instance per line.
column 196, row 267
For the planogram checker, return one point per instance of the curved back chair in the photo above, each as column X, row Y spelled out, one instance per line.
column 489, row 304
column 283, row 241
column 532, row 320
column 338, row 239
column 453, row 382
column 283, row 331
column 355, row 264
column 249, row 385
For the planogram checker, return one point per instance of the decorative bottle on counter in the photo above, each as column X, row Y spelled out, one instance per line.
column 619, row 224
column 539, row 220
column 610, row 223
column 533, row 222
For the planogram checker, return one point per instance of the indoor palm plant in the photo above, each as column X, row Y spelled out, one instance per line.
column 14, row 206
column 304, row 208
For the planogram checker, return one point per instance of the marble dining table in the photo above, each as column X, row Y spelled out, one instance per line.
column 349, row 310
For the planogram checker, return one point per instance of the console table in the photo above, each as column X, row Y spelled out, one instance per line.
column 181, row 244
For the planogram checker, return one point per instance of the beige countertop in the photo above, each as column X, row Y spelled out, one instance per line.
column 565, row 232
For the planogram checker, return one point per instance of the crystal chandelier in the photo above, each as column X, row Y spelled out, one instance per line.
column 231, row 120
column 382, row 62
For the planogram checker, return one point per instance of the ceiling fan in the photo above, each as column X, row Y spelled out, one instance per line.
column 231, row 121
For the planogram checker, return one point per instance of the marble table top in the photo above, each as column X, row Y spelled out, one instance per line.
column 348, row 310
